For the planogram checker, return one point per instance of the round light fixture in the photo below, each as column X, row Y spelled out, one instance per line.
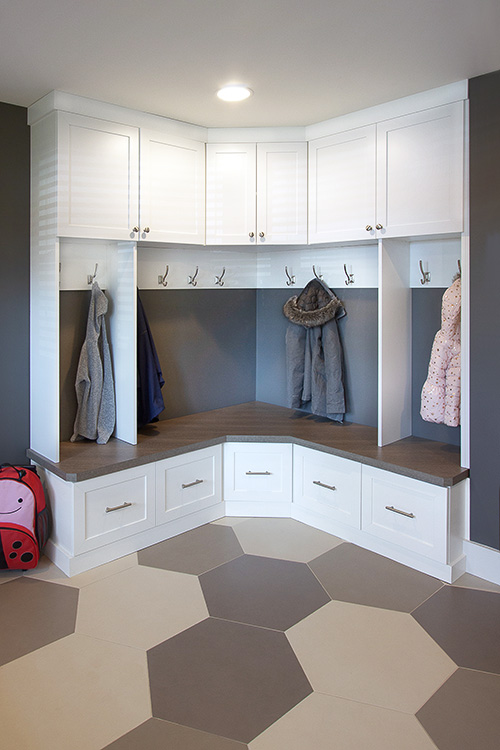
column 235, row 92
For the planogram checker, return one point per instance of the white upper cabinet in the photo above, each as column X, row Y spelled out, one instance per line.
column 256, row 194
column 98, row 178
column 420, row 172
column 172, row 189
column 342, row 180
column 398, row 178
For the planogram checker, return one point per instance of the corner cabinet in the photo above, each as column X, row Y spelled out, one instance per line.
column 395, row 178
column 256, row 193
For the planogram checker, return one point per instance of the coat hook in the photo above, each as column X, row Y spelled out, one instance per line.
column 320, row 277
column 192, row 279
column 218, row 279
column 291, row 279
column 163, row 279
column 426, row 276
column 90, row 279
column 350, row 276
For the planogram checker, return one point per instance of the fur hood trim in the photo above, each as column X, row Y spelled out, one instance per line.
column 310, row 318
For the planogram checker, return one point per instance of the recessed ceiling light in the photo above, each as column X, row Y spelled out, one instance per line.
column 235, row 92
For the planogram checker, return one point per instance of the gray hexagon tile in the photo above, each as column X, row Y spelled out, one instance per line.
column 33, row 614
column 466, row 624
column 464, row 713
column 283, row 538
column 353, row 574
column 262, row 591
column 157, row 734
column 195, row 551
column 225, row 678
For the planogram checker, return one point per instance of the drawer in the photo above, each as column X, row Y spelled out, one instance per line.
column 188, row 483
column 328, row 485
column 258, row 471
column 114, row 506
column 406, row 512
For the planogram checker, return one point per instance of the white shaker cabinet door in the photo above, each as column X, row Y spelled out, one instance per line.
column 98, row 178
column 342, row 186
column 231, row 186
column 282, row 193
column 172, row 189
column 420, row 172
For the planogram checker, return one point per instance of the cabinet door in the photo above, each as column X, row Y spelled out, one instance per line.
column 282, row 193
column 231, row 184
column 420, row 172
column 172, row 189
column 328, row 485
column 98, row 178
column 259, row 472
column 342, row 186
column 188, row 483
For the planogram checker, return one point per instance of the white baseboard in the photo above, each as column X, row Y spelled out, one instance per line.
column 483, row 562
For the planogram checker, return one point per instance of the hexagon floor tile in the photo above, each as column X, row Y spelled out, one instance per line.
column 157, row 734
column 33, row 614
column 262, row 591
column 466, row 624
column 225, row 678
column 195, row 551
column 370, row 655
column 464, row 713
column 283, row 538
column 353, row 574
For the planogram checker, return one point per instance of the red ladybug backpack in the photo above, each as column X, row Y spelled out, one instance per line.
column 24, row 517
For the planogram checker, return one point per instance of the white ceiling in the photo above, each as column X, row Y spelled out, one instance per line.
column 306, row 60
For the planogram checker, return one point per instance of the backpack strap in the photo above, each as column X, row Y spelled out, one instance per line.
column 21, row 472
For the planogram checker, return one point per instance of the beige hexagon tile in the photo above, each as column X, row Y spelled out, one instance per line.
column 230, row 520
column 140, row 606
column 370, row 655
column 322, row 722
column 284, row 538
column 79, row 693
column 47, row 571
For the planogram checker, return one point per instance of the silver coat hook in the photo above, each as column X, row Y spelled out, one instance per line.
column 218, row 279
column 192, row 279
column 350, row 276
column 291, row 279
column 426, row 276
column 320, row 277
column 90, row 279
column 163, row 279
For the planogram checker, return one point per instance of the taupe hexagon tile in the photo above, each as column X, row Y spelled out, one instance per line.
column 140, row 606
column 370, row 655
column 195, row 551
column 33, row 614
column 352, row 574
column 262, row 591
column 465, row 623
column 323, row 722
column 283, row 538
column 77, row 693
column 464, row 713
column 226, row 679
column 157, row 734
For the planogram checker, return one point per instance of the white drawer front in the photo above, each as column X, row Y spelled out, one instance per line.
column 188, row 483
column 406, row 512
column 258, row 471
column 114, row 506
column 328, row 485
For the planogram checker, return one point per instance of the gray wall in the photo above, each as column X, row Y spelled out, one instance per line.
column 14, row 283
column 484, row 93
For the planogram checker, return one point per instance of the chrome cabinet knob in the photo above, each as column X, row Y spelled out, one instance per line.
column 251, row 235
column 261, row 234
column 368, row 227
column 136, row 229
column 146, row 230
column 379, row 226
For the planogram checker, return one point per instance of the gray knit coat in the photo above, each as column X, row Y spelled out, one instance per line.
column 95, row 392
column 314, row 352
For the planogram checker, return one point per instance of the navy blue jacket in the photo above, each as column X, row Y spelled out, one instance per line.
column 149, row 376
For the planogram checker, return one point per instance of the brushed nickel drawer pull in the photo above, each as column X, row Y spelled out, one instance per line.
column 259, row 473
column 118, row 507
column 192, row 484
column 326, row 486
column 401, row 512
